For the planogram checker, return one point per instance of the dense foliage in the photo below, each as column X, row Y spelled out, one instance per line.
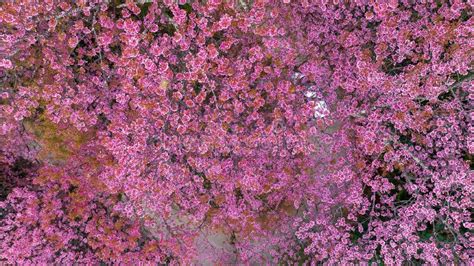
column 287, row 131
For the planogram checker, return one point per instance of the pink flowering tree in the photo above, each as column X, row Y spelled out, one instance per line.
column 298, row 132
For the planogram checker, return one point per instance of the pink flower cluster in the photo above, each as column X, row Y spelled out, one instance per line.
column 333, row 132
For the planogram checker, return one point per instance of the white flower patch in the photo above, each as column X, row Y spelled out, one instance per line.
column 310, row 94
column 321, row 109
column 297, row 75
column 320, row 106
